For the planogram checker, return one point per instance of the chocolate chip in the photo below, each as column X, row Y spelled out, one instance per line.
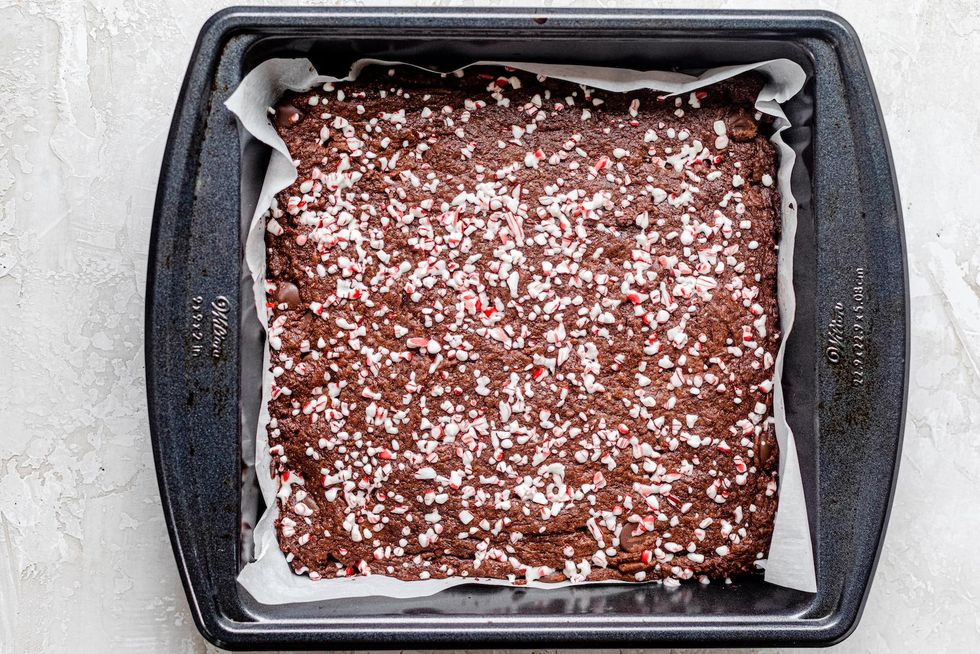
column 743, row 128
column 631, row 568
column 306, row 322
column 287, row 115
column 630, row 543
column 288, row 293
column 763, row 449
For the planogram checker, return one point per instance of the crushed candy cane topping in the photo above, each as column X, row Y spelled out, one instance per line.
column 523, row 329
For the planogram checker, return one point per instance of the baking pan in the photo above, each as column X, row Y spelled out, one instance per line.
column 846, row 364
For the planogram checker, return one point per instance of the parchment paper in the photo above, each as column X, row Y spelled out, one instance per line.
column 268, row 576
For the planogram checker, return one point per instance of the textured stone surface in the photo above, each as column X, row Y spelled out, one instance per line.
column 87, row 93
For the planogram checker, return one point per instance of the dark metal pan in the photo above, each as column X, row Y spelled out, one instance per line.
column 846, row 366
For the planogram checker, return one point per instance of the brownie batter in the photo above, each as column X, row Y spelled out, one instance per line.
column 523, row 329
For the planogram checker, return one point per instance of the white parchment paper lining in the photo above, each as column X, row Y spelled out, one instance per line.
column 268, row 576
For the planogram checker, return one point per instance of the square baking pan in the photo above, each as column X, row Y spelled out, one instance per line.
column 846, row 363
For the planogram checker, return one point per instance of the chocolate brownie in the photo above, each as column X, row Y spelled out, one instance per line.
column 523, row 329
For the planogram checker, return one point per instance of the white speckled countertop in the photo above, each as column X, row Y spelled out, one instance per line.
column 87, row 90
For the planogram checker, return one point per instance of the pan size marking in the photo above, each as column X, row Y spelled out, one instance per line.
column 847, row 331
column 197, row 325
column 858, row 329
column 213, row 315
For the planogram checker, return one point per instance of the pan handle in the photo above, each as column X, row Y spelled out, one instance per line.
column 193, row 332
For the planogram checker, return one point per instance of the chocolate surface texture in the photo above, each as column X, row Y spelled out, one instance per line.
column 522, row 329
